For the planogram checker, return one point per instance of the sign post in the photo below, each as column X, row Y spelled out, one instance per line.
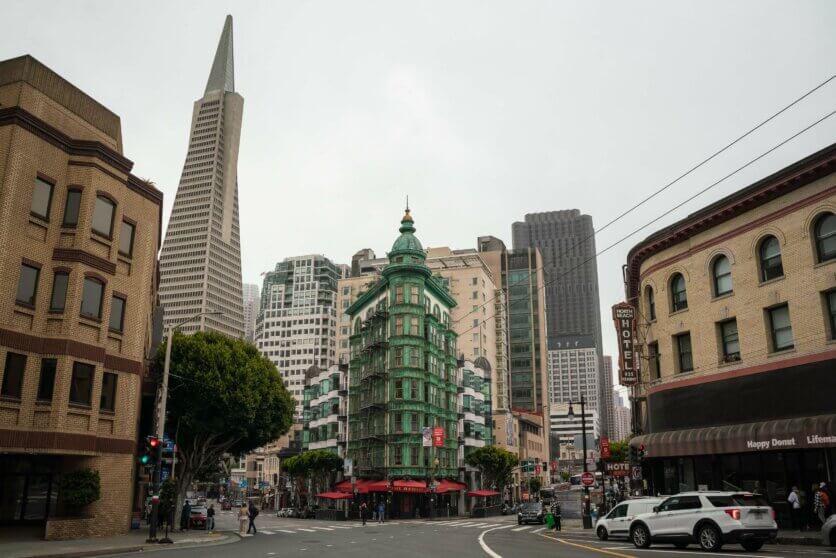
column 587, row 479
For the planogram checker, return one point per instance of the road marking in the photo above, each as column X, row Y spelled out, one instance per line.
column 539, row 530
column 523, row 528
column 485, row 546
column 329, row 545
column 323, row 528
column 263, row 532
column 285, row 531
column 587, row 547
column 343, row 526
column 695, row 551
column 307, row 530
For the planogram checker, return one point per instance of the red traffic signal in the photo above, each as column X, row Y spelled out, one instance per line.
column 153, row 442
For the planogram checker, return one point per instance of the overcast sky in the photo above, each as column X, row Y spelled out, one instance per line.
column 480, row 111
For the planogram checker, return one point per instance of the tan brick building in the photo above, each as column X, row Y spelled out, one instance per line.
column 737, row 326
column 78, row 279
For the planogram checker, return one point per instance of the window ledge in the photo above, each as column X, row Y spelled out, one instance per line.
column 107, row 413
column 38, row 220
column 55, row 312
column 722, row 296
column 771, row 281
column 824, row 264
column 726, row 364
column 96, row 235
column 25, row 305
column 10, row 399
column 686, row 373
column 68, row 227
column 782, row 352
column 80, row 407
column 93, row 319
column 116, row 333
column 675, row 312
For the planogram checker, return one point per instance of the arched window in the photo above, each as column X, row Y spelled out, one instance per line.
column 721, row 273
column 679, row 298
column 651, row 303
column 770, row 259
column 825, row 232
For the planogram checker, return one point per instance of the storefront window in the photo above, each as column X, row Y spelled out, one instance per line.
column 775, row 477
column 750, row 473
column 704, row 473
column 730, row 472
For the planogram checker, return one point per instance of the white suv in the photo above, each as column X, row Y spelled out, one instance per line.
column 708, row 518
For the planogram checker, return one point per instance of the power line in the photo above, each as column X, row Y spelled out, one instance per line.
column 683, row 175
column 674, row 208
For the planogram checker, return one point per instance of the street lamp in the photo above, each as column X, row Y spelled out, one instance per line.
column 161, row 410
column 587, row 520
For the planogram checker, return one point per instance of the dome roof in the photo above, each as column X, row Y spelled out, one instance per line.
column 407, row 241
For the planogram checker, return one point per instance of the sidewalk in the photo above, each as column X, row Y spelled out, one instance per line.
column 799, row 537
column 132, row 542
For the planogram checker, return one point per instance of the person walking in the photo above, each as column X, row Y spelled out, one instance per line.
column 794, row 500
column 252, row 513
column 243, row 516
column 821, row 503
column 381, row 512
column 210, row 518
column 363, row 510
column 556, row 515
column 185, row 516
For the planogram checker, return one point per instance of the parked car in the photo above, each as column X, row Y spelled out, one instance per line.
column 237, row 503
column 284, row 512
column 198, row 517
column 531, row 512
column 226, row 504
column 617, row 522
column 710, row 519
column 828, row 531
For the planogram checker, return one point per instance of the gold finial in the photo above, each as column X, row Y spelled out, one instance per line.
column 406, row 215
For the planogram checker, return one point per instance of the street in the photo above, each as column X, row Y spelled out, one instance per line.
column 498, row 537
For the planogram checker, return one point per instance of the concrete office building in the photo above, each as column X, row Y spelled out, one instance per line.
column 200, row 263
column 252, row 302
column 622, row 427
column 297, row 325
column 607, row 392
column 567, row 428
column 566, row 243
column 573, row 370
column 78, row 281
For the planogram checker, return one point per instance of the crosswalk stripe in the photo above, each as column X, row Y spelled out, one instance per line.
column 312, row 531
column 539, row 530
column 523, row 528
column 322, row 528
column 267, row 532
column 285, row 531
column 343, row 526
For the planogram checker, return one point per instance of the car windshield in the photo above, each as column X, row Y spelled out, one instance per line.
column 198, row 509
column 533, row 506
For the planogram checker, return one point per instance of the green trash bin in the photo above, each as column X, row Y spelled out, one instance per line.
column 550, row 520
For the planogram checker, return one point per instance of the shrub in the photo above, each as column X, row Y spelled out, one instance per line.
column 80, row 488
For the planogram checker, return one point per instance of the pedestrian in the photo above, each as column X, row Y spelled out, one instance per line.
column 185, row 516
column 363, row 510
column 210, row 518
column 794, row 500
column 556, row 515
column 381, row 512
column 252, row 513
column 821, row 503
column 243, row 516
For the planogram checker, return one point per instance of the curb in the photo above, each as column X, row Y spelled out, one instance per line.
column 90, row 552
column 225, row 539
column 805, row 541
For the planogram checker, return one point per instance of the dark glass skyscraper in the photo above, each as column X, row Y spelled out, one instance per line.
column 567, row 245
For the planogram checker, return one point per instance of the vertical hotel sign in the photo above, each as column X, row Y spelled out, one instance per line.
column 625, row 325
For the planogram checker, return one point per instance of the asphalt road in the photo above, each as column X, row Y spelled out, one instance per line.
column 498, row 537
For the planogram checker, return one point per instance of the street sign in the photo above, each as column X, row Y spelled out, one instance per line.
column 637, row 473
column 588, row 479
column 624, row 316
column 605, row 447
column 438, row 436
column 242, row 483
column 537, row 470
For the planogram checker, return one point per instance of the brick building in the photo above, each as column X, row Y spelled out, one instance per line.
column 737, row 306
column 78, row 278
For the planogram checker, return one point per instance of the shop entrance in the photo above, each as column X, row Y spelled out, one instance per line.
column 28, row 489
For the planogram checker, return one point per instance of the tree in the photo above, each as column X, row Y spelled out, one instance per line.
column 496, row 464
column 312, row 470
column 224, row 397
column 618, row 451
column 534, row 485
column 79, row 489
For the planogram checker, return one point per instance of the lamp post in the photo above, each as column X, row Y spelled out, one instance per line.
column 587, row 520
column 160, row 423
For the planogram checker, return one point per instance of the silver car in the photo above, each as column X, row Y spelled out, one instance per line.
column 828, row 531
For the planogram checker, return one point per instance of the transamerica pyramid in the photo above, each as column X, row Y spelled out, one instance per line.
column 200, row 263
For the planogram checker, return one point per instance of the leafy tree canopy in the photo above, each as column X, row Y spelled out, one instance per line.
column 619, row 451
column 495, row 463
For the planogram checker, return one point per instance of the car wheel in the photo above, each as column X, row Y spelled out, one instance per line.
column 640, row 536
column 602, row 533
column 681, row 545
column 709, row 538
column 752, row 546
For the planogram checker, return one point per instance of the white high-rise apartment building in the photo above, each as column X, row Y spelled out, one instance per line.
column 568, row 427
column 200, row 262
column 252, row 302
column 623, row 419
column 606, row 377
column 296, row 326
column 573, row 370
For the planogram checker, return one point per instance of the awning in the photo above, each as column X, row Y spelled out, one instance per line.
column 409, row 486
column 445, row 485
column 334, row 495
column 377, row 486
column 343, row 486
column 773, row 435
column 483, row 493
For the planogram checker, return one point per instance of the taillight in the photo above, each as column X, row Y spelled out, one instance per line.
column 772, row 512
column 734, row 514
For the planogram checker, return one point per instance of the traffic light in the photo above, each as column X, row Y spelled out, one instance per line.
column 641, row 452
column 149, row 453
